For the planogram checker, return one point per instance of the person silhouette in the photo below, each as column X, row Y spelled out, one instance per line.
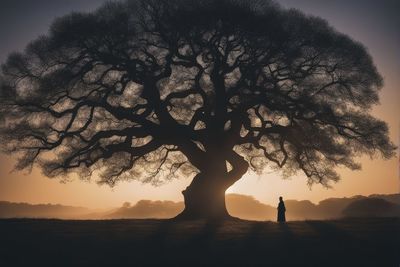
column 281, row 210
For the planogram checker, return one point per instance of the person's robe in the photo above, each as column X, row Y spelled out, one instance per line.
column 281, row 212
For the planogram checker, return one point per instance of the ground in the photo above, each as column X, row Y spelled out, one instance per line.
column 348, row 242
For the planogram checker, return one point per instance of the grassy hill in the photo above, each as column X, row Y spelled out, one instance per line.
column 349, row 242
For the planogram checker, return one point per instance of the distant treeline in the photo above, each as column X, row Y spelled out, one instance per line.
column 242, row 206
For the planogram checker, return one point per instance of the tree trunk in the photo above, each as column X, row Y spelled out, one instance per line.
column 205, row 197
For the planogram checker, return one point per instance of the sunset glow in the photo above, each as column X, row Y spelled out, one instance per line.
column 365, row 25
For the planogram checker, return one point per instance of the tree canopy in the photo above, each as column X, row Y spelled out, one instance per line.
column 151, row 89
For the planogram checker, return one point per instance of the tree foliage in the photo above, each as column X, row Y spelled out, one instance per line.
column 149, row 89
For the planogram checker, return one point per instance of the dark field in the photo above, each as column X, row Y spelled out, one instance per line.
column 350, row 242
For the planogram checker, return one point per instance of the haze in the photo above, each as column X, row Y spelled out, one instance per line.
column 373, row 23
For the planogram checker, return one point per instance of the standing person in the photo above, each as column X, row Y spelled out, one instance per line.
column 281, row 210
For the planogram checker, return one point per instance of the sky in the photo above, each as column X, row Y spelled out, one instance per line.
column 374, row 23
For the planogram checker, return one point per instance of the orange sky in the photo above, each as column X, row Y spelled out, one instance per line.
column 374, row 27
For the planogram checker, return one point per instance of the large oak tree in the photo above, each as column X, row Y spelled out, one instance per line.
column 151, row 89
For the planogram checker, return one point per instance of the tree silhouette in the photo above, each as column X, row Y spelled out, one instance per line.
column 151, row 90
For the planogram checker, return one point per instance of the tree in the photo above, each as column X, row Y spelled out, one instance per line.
column 151, row 90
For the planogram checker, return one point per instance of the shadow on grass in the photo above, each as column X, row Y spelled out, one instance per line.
column 228, row 243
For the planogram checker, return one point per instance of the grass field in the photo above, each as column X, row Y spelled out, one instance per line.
column 350, row 242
